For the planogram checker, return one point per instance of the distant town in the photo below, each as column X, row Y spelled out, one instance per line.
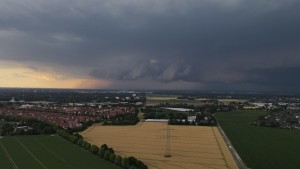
column 152, row 124
column 72, row 108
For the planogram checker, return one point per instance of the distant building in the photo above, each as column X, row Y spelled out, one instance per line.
column 12, row 100
column 156, row 120
column 191, row 118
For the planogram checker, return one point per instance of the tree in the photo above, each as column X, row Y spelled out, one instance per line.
column 83, row 144
column 112, row 158
column 79, row 142
column 119, row 160
column 72, row 138
column 87, row 146
column 101, row 152
column 107, row 154
column 94, row 149
column 104, row 146
column 78, row 136
column 48, row 130
column 141, row 165
column 132, row 161
column 7, row 129
column 65, row 135
column 125, row 162
column 111, row 150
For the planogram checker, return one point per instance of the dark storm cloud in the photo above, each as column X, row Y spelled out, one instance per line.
column 222, row 44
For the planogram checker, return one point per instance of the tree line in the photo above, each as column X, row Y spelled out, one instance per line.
column 180, row 118
column 123, row 119
column 103, row 151
column 25, row 126
column 66, row 96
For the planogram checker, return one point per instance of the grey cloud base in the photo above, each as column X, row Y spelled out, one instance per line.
column 194, row 44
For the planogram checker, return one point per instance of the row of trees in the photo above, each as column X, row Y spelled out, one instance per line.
column 25, row 126
column 103, row 151
column 168, row 115
column 66, row 95
column 123, row 119
column 84, row 125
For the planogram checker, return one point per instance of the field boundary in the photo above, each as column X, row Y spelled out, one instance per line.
column 234, row 153
column 8, row 156
column 219, row 145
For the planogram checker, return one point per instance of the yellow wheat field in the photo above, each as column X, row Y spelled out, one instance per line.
column 192, row 147
column 161, row 98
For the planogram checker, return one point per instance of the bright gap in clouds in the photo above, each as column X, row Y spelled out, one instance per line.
column 26, row 77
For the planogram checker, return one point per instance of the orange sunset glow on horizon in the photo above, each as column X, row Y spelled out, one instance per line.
column 28, row 78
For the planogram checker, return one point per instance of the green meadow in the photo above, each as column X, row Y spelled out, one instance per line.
column 46, row 152
column 261, row 147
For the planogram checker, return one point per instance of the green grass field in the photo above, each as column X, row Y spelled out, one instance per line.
column 1, row 124
column 261, row 147
column 46, row 152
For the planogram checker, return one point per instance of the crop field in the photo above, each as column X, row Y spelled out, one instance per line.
column 191, row 146
column 261, row 147
column 161, row 99
column 46, row 152
column 163, row 96
column 233, row 100
column 155, row 99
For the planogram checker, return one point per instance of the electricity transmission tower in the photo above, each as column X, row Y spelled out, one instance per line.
column 168, row 152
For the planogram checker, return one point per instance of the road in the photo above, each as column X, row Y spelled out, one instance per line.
column 235, row 155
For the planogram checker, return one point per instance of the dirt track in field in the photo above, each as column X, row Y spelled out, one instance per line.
column 192, row 147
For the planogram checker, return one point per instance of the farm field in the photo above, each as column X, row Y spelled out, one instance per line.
column 191, row 146
column 261, row 147
column 162, row 97
column 161, row 100
column 233, row 100
column 46, row 152
column 154, row 99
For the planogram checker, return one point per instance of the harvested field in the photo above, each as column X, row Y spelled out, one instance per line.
column 233, row 100
column 161, row 98
column 191, row 146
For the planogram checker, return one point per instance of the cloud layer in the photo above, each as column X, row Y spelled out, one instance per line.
column 169, row 44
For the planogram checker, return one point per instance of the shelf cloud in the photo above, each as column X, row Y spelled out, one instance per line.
column 157, row 44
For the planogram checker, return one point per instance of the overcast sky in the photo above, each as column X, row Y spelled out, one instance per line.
column 151, row 44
